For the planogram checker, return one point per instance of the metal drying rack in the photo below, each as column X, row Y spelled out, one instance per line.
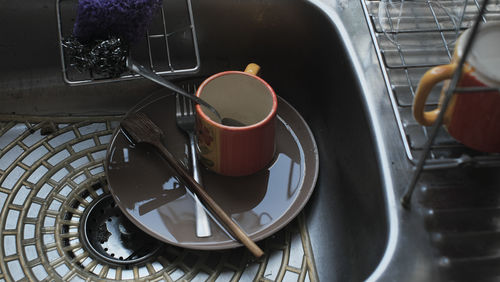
column 170, row 46
column 403, row 65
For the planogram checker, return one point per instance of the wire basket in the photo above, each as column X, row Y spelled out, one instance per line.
column 169, row 48
column 405, row 22
column 411, row 41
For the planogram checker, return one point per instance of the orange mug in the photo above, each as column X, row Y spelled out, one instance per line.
column 247, row 98
column 472, row 118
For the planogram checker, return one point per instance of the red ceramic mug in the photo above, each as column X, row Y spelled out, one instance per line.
column 473, row 118
column 247, row 98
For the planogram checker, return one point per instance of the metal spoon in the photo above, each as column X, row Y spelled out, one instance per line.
column 137, row 68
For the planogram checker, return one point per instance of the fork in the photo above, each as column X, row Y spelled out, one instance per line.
column 185, row 118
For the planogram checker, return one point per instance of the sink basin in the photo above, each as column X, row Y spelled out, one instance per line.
column 303, row 57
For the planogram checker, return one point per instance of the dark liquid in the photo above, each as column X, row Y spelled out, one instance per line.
column 232, row 122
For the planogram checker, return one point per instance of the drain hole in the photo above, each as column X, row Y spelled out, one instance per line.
column 85, row 194
column 75, row 204
column 68, row 215
column 96, row 186
column 65, row 242
column 112, row 238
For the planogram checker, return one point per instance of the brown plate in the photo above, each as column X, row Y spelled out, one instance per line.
column 148, row 192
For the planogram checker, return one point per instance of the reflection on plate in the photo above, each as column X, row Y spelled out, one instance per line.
column 148, row 192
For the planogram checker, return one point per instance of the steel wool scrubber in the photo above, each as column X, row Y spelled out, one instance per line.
column 103, row 32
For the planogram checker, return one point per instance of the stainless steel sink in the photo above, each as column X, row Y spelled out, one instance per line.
column 317, row 55
column 304, row 58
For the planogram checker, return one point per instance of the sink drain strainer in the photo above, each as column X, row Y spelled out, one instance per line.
column 58, row 222
column 112, row 238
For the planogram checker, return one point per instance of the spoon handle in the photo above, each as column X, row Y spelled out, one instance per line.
column 232, row 227
column 139, row 69
column 202, row 220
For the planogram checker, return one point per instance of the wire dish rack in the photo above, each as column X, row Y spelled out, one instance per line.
column 169, row 48
column 408, row 51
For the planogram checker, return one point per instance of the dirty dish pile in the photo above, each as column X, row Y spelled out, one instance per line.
column 261, row 203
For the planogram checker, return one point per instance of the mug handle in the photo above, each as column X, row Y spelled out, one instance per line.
column 252, row 69
column 428, row 81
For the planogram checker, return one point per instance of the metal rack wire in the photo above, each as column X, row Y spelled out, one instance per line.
column 407, row 52
column 169, row 48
